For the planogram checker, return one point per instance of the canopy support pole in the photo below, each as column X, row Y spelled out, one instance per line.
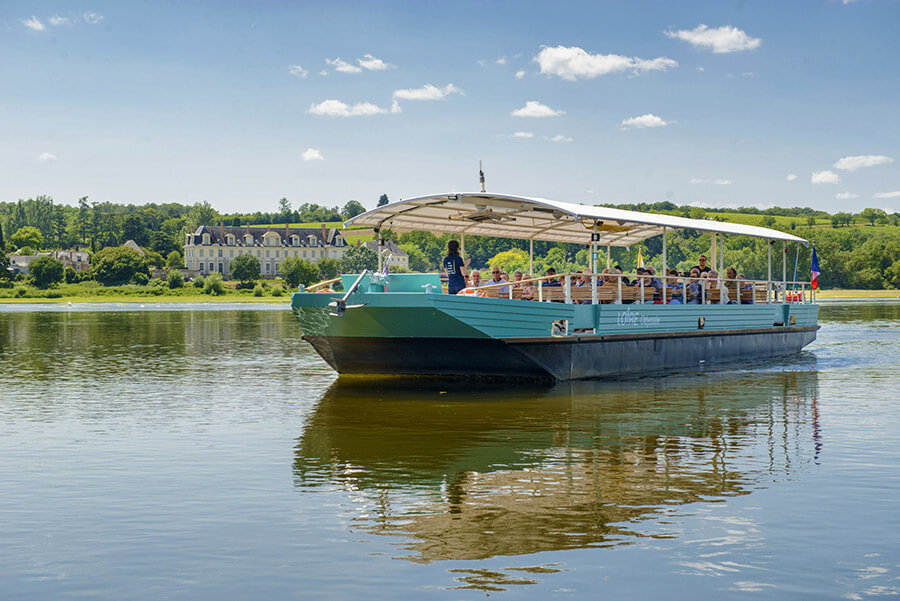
column 665, row 270
column 594, row 264
column 769, row 278
column 379, row 249
column 608, row 257
column 531, row 257
column 713, row 248
column 722, row 257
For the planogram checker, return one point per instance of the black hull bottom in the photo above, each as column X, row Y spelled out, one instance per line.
column 568, row 358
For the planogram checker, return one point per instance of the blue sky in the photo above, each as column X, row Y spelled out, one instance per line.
column 239, row 104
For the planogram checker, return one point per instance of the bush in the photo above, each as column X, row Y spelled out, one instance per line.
column 199, row 282
column 175, row 279
column 71, row 275
column 20, row 291
column 277, row 291
column 156, row 282
column 214, row 285
column 46, row 271
column 140, row 279
column 258, row 290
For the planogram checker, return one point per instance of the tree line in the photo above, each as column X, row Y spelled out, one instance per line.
column 859, row 250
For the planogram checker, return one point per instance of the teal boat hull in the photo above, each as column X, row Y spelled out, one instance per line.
column 426, row 333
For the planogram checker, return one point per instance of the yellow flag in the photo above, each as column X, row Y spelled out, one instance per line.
column 640, row 259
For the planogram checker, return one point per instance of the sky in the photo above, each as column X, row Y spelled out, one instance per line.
column 713, row 104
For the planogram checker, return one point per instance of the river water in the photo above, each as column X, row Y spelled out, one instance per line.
column 183, row 452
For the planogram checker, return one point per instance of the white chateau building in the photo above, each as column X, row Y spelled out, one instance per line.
column 211, row 249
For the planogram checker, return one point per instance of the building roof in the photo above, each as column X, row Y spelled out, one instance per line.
column 507, row 216
column 389, row 244
column 218, row 235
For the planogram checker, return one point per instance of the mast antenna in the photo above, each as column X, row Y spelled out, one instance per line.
column 480, row 175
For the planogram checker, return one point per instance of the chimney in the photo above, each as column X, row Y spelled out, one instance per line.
column 324, row 235
column 221, row 232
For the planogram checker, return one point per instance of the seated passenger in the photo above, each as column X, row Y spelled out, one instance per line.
column 744, row 286
column 528, row 289
column 475, row 280
column 497, row 278
column 517, row 277
column 677, row 288
column 731, row 285
column 693, row 287
column 552, row 281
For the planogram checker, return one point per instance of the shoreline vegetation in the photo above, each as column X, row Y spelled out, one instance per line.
column 76, row 294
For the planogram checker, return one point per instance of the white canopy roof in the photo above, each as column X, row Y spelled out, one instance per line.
column 505, row 216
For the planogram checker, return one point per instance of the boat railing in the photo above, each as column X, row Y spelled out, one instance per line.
column 617, row 288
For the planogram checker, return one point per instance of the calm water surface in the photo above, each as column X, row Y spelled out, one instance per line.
column 185, row 452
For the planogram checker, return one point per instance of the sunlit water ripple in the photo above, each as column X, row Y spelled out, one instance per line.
column 189, row 452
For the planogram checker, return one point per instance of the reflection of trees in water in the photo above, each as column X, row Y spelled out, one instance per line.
column 464, row 475
column 99, row 358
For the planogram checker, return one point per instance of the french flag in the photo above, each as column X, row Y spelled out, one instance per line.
column 815, row 269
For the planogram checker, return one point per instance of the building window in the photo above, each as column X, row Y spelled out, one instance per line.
column 230, row 240
column 220, row 252
column 205, row 238
column 211, row 267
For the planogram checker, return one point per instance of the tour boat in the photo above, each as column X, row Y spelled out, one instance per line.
column 405, row 323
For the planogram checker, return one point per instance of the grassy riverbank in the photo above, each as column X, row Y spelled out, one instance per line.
column 91, row 292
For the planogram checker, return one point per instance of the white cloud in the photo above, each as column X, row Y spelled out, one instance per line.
column 297, row 70
column 825, row 177
column 34, row 24
column 323, row 72
column 560, row 138
column 791, row 177
column 533, row 108
column 342, row 66
column 701, row 69
column 717, row 182
column 523, row 134
column 846, row 195
column 858, row 162
column 92, row 18
column 722, row 40
column 371, row 63
column 571, row 63
column 648, row 120
column 520, row 74
column 312, row 154
column 894, row 194
column 336, row 108
column 501, row 60
column 427, row 92
column 46, row 156
column 58, row 21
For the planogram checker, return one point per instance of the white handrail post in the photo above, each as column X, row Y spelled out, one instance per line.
column 540, row 291
column 619, row 299
column 568, row 281
column 642, row 291
column 684, row 285
column 769, row 280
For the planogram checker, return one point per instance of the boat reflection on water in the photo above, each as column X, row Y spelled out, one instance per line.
column 462, row 473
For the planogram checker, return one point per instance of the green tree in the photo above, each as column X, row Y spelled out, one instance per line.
column 359, row 258
column 46, row 271
column 134, row 228
column 872, row 215
column 352, row 209
column 298, row 271
column 244, row 268
column 284, row 210
column 174, row 260
column 202, row 213
column 2, row 243
column 115, row 265
column 28, row 236
column 328, row 268
column 383, row 200
column 418, row 260
column 4, row 266
column 510, row 260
